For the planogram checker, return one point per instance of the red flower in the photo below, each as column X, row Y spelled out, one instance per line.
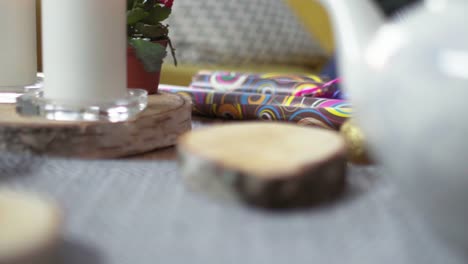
column 167, row 3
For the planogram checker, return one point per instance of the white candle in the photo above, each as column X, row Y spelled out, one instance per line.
column 18, row 58
column 84, row 50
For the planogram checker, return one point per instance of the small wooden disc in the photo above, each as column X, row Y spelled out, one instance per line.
column 266, row 164
column 30, row 229
column 158, row 126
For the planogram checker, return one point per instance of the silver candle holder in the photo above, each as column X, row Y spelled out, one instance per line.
column 34, row 103
column 9, row 94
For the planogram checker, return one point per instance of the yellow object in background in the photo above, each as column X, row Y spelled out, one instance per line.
column 315, row 18
column 182, row 74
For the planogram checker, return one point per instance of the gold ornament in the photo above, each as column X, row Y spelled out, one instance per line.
column 355, row 142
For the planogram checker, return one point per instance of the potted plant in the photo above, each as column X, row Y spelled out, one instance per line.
column 147, row 42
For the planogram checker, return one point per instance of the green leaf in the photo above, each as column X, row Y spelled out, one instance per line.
column 149, row 53
column 136, row 15
column 130, row 4
column 151, row 31
column 149, row 4
column 157, row 14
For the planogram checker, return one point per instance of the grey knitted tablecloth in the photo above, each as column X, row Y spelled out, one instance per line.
column 140, row 212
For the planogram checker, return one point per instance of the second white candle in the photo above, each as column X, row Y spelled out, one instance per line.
column 18, row 60
column 84, row 50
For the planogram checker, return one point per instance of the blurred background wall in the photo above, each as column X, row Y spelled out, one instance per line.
column 250, row 35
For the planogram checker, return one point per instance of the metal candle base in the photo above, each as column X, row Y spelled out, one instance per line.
column 9, row 94
column 34, row 103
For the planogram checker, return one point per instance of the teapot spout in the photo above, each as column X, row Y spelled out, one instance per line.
column 355, row 24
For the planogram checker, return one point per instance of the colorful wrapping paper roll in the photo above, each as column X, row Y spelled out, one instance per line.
column 328, row 113
column 271, row 83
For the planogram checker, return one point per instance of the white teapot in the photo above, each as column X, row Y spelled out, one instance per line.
column 408, row 82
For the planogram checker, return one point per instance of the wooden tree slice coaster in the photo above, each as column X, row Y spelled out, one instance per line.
column 158, row 126
column 273, row 165
column 30, row 229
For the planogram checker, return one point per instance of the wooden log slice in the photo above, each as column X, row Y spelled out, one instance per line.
column 30, row 229
column 272, row 165
column 159, row 125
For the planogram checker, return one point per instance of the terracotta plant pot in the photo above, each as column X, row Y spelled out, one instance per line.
column 137, row 76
